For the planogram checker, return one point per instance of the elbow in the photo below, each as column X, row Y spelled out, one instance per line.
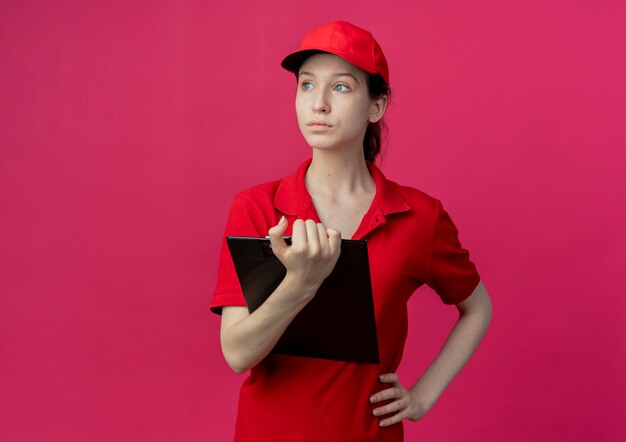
column 235, row 362
column 237, row 369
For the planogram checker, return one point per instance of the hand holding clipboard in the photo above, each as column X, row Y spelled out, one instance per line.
column 338, row 323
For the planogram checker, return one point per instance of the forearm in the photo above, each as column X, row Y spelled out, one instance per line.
column 246, row 340
column 456, row 351
column 312, row 255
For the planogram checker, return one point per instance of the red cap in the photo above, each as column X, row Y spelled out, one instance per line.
column 346, row 40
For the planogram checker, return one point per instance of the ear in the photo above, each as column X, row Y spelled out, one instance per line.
column 377, row 108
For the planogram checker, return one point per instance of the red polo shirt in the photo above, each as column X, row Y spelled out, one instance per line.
column 411, row 240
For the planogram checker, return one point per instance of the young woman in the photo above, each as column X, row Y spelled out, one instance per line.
column 342, row 94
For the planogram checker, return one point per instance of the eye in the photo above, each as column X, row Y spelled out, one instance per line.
column 306, row 85
column 342, row 88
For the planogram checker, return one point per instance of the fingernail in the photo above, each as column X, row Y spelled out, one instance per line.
column 282, row 219
column 372, row 398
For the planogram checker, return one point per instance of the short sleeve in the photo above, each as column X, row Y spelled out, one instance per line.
column 244, row 219
column 452, row 274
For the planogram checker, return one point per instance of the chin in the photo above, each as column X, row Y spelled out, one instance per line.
column 317, row 143
column 321, row 145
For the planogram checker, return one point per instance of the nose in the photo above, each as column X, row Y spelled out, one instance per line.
column 321, row 103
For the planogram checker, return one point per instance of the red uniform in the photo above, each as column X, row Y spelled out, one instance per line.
column 411, row 240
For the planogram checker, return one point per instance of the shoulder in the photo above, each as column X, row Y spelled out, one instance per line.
column 260, row 194
column 397, row 198
column 418, row 197
column 420, row 202
column 252, row 210
column 286, row 195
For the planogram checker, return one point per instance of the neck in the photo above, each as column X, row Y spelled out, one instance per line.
column 338, row 173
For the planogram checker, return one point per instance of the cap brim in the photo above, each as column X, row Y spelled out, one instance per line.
column 293, row 61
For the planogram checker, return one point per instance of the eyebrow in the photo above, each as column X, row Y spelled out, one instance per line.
column 339, row 74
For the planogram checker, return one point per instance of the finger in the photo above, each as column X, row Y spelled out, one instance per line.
column 312, row 236
column 388, row 378
column 385, row 395
column 393, row 407
column 323, row 236
column 298, row 235
column 396, row 418
column 334, row 240
column 276, row 235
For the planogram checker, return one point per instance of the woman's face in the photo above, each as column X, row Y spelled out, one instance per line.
column 333, row 104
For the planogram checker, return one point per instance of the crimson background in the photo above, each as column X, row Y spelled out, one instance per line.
column 127, row 127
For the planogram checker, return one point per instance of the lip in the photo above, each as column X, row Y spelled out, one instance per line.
column 320, row 125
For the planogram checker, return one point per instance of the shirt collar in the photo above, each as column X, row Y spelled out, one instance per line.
column 293, row 199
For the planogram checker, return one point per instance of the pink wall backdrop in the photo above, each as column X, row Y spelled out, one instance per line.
column 127, row 127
